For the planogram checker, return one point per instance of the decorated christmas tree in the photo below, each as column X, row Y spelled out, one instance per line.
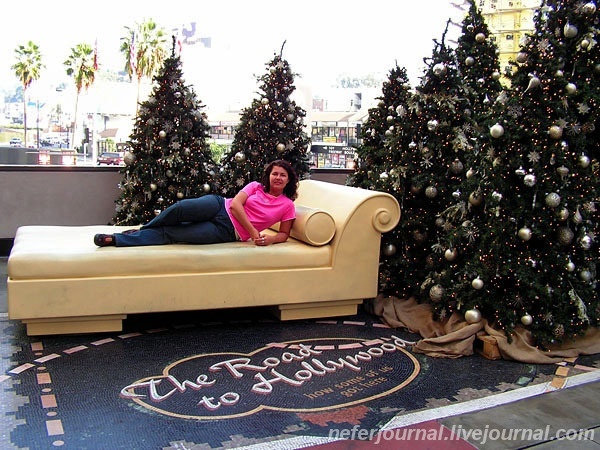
column 429, row 160
column 272, row 127
column 527, row 248
column 169, row 156
column 386, row 135
column 477, row 58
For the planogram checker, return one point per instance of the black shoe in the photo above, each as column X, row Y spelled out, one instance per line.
column 104, row 240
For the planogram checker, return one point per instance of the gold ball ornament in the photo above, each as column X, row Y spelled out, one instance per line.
column 526, row 320
column 162, row 134
column 436, row 293
column 472, row 316
column 280, row 147
column 153, row 187
column 475, row 198
column 584, row 161
column 180, row 195
column 571, row 88
column 264, row 101
column 570, row 266
column 525, row 234
column 206, row 187
column 480, row 37
column 496, row 75
column 240, row 157
column 469, row 61
column 497, row 131
column 555, row 132
column 565, row 235
column 477, row 283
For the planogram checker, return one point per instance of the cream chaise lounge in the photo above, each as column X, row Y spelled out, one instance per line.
column 59, row 282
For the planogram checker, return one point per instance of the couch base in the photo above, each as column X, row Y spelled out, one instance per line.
column 114, row 323
column 75, row 325
column 317, row 310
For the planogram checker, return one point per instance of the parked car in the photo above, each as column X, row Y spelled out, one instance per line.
column 110, row 158
column 16, row 142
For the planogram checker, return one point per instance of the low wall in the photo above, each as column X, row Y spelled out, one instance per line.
column 69, row 195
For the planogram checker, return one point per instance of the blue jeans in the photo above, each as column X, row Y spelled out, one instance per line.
column 202, row 220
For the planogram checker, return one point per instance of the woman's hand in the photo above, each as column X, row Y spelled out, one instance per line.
column 262, row 239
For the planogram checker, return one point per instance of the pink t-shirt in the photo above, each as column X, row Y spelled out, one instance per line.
column 263, row 210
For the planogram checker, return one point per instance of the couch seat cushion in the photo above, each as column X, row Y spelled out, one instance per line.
column 69, row 252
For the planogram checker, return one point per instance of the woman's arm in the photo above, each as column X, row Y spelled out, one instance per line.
column 281, row 236
column 237, row 210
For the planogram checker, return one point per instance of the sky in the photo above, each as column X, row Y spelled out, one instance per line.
column 323, row 38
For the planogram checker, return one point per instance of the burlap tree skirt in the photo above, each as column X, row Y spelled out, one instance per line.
column 454, row 337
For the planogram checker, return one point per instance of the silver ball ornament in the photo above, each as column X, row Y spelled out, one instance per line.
column 389, row 250
column 264, row 101
column 529, row 180
column 469, row 61
column 206, row 187
column 432, row 125
column 436, row 293
column 586, row 242
column 525, row 234
column 496, row 131
column 480, row 37
column 472, row 316
column 477, row 283
column 521, row 57
column 128, row 158
column 431, row 192
column 565, row 235
column 589, row 8
column 571, row 88
column 450, row 254
column 570, row 267
column 552, row 200
column 240, row 156
column 526, row 320
column 570, row 31
column 585, row 275
column 440, row 69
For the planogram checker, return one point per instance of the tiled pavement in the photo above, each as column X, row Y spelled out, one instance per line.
column 81, row 392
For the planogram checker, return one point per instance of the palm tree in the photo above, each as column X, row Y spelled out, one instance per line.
column 144, row 48
column 82, row 66
column 27, row 69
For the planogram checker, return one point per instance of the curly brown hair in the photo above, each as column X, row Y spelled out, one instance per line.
column 291, row 189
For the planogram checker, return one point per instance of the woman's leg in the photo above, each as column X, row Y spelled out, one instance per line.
column 215, row 229
column 199, row 209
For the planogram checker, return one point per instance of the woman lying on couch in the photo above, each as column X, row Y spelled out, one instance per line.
column 213, row 219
